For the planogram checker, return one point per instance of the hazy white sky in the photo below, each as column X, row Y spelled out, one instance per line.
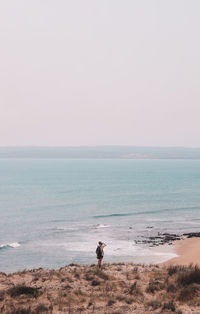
column 100, row 72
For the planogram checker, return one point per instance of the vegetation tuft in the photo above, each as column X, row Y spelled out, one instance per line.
column 189, row 276
column 169, row 306
column 23, row 290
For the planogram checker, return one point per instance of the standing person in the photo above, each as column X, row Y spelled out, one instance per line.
column 100, row 252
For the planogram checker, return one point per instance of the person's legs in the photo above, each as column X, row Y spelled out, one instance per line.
column 99, row 262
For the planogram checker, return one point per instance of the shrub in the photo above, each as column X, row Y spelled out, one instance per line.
column 189, row 276
column 188, row 293
column 23, row 290
column 110, row 302
column 96, row 283
column 169, row 306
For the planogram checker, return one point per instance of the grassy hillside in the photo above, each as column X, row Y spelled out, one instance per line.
column 118, row 288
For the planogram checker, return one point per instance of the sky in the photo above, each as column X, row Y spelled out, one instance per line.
column 107, row 72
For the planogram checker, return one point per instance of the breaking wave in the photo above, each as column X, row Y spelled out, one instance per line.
column 9, row 245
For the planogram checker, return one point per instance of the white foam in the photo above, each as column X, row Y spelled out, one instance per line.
column 13, row 245
column 119, row 248
column 99, row 226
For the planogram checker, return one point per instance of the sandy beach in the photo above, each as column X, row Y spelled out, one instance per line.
column 188, row 252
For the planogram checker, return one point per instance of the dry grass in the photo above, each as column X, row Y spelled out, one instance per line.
column 153, row 304
column 175, row 269
column 118, row 288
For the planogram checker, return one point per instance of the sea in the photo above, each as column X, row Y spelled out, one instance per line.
column 53, row 212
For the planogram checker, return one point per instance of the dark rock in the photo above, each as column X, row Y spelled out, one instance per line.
column 192, row 234
column 165, row 238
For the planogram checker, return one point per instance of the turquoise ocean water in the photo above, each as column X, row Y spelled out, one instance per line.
column 53, row 211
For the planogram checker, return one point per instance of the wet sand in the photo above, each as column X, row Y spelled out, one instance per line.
column 188, row 251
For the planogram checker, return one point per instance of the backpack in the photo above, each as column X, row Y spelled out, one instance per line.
column 98, row 252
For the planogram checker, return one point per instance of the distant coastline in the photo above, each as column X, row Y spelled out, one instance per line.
column 100, row 152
